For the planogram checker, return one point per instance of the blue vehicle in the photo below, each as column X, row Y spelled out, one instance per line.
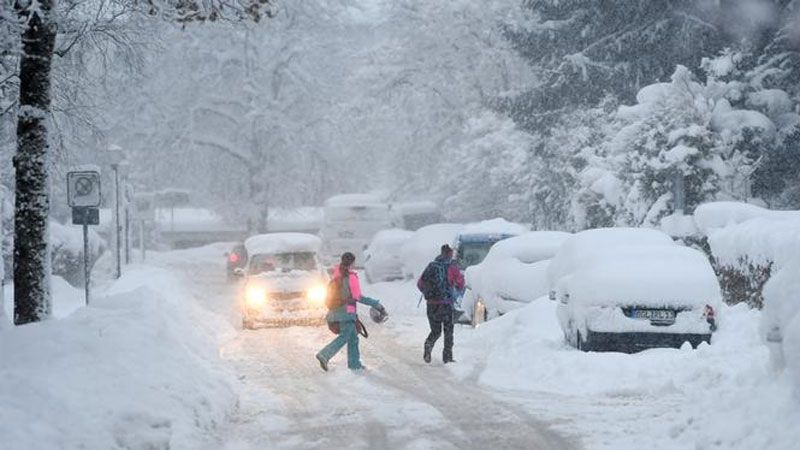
column 471, row 249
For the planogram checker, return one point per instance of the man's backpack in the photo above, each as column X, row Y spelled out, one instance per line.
column 433, row 281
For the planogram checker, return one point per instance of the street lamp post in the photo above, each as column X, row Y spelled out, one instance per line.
column 116, row 156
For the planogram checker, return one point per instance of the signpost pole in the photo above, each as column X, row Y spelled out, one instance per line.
column 117, row 226
column 127, row 236
column 87, row 273
column 141, row 239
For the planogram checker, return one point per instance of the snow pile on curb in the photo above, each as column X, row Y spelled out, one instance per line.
column 134, row 370
column 66, row 299
column 741, row 234
column 722, row 395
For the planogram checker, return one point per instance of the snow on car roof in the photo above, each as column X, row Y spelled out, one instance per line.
column 282, row 243
column 576, row 250
column 355, row 200
column 529, row 247
column 644, row 276
column 496, row 226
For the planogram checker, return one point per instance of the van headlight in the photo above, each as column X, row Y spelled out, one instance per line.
column 256, row 296
column 317, row 294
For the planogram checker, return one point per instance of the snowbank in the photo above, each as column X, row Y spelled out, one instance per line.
column 66, row 299
column 282, row 243
column 718, row 396
column 425, row 245
column 138, row 369
column 781, row 322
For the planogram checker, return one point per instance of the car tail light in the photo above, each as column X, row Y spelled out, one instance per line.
column 711, row 317
column 233, row 258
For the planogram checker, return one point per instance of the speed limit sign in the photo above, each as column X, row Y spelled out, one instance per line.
column 83, row 188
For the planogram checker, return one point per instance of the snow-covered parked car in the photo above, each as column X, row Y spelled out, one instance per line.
column 424, row 245
column 382, row 259
column 285, row 284
column 630, row 289
column 474, row 240
column 471, row 246
column 513, row 274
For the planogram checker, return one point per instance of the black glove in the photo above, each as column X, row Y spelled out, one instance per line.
column 381, row 309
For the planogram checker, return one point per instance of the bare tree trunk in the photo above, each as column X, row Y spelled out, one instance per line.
column 31, row 258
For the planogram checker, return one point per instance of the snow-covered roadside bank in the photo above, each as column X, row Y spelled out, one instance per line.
column 719, row 396
column 137, row 369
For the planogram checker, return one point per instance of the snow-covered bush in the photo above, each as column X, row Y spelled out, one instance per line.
column 747, row 244
column 66, row 251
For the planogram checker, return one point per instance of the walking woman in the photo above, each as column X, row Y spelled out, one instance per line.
column 344, row 317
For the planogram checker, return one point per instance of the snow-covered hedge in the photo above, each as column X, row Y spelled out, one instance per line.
column 138, row 369
column 66, row 251
column 747, row 244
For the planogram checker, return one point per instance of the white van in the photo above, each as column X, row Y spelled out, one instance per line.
column 414, row 215
column 284, row 283
column 349, row 223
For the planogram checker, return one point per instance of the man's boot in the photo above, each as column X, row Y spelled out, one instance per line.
column 426, row 355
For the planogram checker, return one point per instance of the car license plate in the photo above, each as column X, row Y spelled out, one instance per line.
column 656, row 315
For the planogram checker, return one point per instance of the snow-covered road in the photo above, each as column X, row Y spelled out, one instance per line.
column 168, row 331
column 399, row 402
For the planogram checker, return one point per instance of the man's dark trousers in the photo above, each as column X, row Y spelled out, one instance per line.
column 440, row 317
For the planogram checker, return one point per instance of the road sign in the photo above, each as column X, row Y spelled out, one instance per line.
column 85, row 216
column 83, row 189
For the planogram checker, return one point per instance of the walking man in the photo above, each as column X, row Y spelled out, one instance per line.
column 438, row 284
column 343, row 317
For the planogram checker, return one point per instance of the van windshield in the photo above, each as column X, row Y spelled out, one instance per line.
column 282, row 262
column 472, row 253
column 414, row 222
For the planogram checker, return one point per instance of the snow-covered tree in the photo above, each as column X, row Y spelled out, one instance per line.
column 39, row 23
